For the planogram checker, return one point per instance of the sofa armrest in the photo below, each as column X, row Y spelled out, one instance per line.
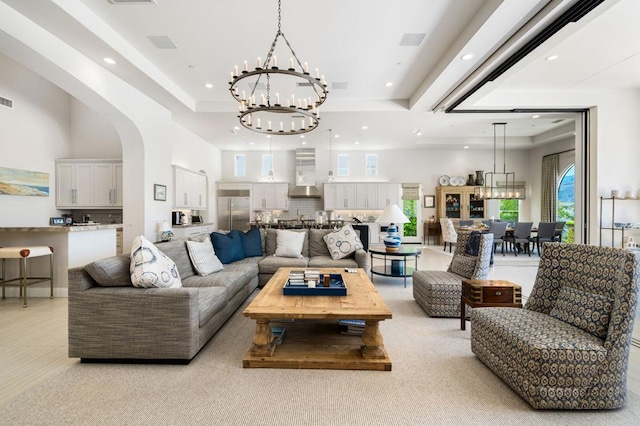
column 132, row 323
column 362, row 259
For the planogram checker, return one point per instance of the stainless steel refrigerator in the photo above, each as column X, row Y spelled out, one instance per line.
column 234, row 212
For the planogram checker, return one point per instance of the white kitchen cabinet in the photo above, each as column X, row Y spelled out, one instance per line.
column 339, row 196
column 361, row 196
column 270, row 196
column 388, row 193
column 191, row 230
column 88, row 183
column 366, row 196
column 190, row 189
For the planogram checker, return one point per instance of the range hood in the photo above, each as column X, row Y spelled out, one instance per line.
column 305, row 177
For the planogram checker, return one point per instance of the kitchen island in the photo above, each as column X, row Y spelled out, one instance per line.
column 72, row 246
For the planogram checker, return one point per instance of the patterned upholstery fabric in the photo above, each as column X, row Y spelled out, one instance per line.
column 439, row 292
column 546, row 359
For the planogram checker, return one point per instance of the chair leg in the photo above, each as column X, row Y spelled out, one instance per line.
column 445, row 246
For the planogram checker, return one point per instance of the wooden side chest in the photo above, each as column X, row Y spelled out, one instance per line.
column 489, row 293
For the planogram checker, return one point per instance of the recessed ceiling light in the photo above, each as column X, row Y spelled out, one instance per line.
column 468, row 56
column 268, row 136
column 236, row 128
column 388, row 84
column 551, row 58
column 356, row 143
column 336, row 136
column 208, row 85
column 365, row 127
column 109, row 61
column 304, row 143
column 419, row 134
column 252, row 143
column 535, row 116
column 466, row 147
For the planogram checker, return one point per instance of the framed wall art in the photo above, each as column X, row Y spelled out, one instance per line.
column 160, row 192
column 429, row 201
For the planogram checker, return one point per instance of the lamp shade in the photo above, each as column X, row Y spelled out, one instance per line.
column 392, row 214
column 163, row 226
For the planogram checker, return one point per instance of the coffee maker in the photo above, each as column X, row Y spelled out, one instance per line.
column 176, row 218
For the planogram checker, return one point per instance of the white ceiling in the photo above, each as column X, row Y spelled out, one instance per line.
column 352, row 42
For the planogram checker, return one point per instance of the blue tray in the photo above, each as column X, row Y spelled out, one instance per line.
column 336, row 288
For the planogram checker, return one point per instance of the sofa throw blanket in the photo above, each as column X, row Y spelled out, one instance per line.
column 473, row 245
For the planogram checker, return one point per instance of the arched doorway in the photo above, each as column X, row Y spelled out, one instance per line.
column 566, row 203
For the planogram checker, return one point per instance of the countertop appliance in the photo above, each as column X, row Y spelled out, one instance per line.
column 176, row 218
column 234, row 209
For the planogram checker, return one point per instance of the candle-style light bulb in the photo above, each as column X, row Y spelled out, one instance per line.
column 245, row 66
column 259, row 124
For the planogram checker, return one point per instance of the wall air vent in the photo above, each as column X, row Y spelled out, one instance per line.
column 6, row 102
column 132, row 1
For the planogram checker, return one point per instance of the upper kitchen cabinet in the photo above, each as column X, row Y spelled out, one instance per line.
column 270, row 196
column 360, row 196
column 389, row 193
column 339, row 196
column 190, row 189
column 366, row 196
column 88, row 183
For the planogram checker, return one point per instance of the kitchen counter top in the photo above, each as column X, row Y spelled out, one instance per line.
column 191, row 225
column 82, row 228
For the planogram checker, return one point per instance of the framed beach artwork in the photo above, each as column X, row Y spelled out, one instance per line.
column 23, row 182
column 160, row 192
column 429, row 201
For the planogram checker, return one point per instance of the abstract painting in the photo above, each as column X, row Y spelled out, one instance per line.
column 23, row 182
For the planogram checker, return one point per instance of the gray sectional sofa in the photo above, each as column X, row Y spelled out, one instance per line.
column 109, row 319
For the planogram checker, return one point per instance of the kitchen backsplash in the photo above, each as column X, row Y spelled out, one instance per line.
column 306, row 207
column 98, row 216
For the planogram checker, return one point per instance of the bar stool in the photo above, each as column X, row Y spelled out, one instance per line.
column 24, row 280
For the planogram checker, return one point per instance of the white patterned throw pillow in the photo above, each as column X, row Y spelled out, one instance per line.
column 289, row 243
column 150, row 267
column 203, row 257
column 342, row 242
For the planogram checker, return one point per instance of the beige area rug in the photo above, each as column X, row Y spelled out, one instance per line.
column 509, row 259
column 435, row 380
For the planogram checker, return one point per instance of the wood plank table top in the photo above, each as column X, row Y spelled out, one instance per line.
column 313, row 339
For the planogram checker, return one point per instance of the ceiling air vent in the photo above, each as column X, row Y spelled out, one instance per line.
column 162, row 42
column 132, row 1
column 6, row 102
column 412, row 39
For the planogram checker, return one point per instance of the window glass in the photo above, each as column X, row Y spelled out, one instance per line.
column 343, row 164
column 371, row 164
column 567, row 204
column 510, row 210
column 240, row 165
column 267, row 164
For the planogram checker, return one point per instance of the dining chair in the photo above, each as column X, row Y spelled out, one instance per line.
column 449, row 234
column 559, row 230
column 499, row 230
column 465, row 222
column 520, row 236
column 546, row 233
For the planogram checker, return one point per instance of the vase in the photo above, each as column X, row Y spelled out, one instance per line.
column 470, row 181
column 479, row 178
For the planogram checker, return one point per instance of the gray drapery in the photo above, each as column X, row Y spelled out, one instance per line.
column 550, row 173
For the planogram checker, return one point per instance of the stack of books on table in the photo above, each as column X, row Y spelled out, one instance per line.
column 348, row 326
column 278, row 334
column 312, row 275
column 296, row 277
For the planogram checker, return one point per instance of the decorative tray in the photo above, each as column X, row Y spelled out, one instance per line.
column 336, row 287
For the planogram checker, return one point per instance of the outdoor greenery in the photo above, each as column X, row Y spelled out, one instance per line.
column 409, row 208
column 566, row 212
column 509, row 210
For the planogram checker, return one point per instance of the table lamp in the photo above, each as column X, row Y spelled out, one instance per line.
column 166, row 234
column 392, row 215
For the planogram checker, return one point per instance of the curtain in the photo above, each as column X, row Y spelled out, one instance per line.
column 550, row 173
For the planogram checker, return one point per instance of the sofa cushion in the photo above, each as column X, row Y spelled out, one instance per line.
column 587, row 311
column 289, row 243
column 342, row 242
column 232, row 280
column 270, row 264
column 329, row 262
column 111, row 272
column 317, row 246
column 251, row 242
column 177, row 251
column 150, row 267
column 203, row 257
column 211, row 300
column 228, row 247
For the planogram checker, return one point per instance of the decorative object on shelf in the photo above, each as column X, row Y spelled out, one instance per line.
column 444, row 180
column 429, row 201
column 259, row 114
column 492, row 188
column 615, row 193
column 471, row 181
column 479, row 178
column 330, row 176
column 166, row 234
column 159, row 192
column 392, row 214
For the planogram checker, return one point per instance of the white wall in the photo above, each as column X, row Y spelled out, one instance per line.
column 92, row 135
column 33, row 133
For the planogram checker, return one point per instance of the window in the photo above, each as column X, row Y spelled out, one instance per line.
column 267, row 164
column 567, row 204
column 371, row 164
column 510, row 210
column 239, row 165
column 343, row 164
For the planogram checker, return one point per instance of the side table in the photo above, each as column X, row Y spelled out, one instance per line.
column 488, row 293
column 394, row 263
column 431, row 230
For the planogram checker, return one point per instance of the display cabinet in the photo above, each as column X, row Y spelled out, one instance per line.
column 459, row 202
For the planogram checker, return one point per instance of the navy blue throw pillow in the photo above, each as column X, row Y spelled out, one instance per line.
column 251, row 242
column 228, row 247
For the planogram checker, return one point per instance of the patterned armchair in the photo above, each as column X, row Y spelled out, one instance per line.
column 449, row 234
column 439, row 292
column 568, row 348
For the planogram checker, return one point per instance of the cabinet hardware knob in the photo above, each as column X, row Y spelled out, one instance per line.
column 498, row 293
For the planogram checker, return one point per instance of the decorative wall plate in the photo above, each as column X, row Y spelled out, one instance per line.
column 444, row 180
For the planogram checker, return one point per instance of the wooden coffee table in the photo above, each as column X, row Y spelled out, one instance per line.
column 313, row 339
column 489, row 293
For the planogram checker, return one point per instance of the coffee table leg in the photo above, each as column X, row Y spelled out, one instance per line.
column 463, row 319
column 373, row 344
column 262, row 339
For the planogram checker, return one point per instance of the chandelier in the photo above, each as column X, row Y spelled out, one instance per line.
column 500, row 185
column 271, row 101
